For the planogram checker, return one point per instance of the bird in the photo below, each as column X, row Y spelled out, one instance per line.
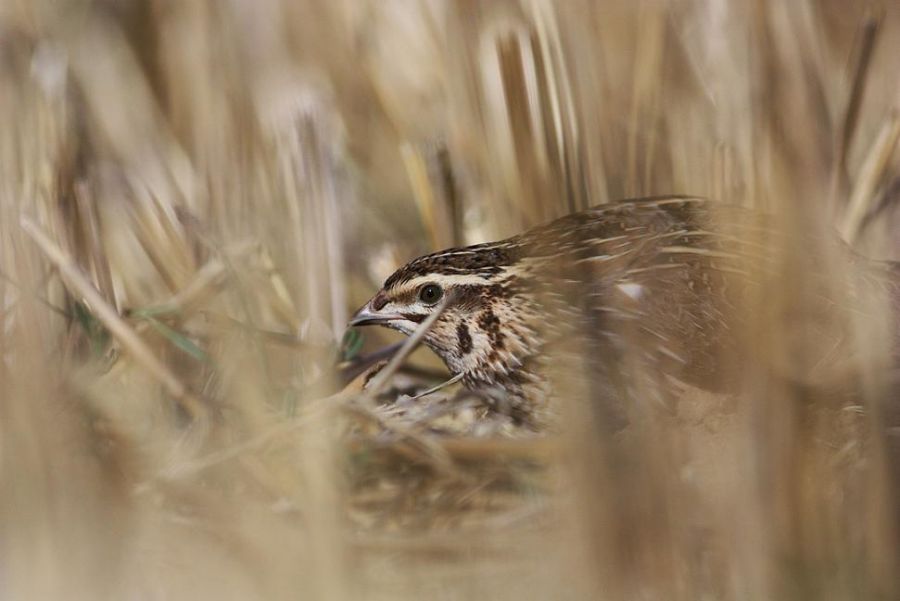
column 655, row 282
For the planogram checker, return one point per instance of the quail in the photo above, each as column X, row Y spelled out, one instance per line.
column 660, row 281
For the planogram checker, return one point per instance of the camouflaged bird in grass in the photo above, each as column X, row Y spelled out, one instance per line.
column 659, row 282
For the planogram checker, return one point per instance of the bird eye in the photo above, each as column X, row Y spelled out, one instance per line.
column 430, row 293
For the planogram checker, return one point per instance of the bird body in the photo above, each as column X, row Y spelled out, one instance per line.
column 655, row 281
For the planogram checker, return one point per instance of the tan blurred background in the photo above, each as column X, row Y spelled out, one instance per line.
column 194, row 194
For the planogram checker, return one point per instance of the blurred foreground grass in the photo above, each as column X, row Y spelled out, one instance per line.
column 194, row 194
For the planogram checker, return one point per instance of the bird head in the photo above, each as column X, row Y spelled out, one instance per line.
column 483, row 331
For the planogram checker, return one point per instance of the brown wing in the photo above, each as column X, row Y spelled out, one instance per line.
column 666, row 283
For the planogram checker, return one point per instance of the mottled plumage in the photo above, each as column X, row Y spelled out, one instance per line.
column 652, row 281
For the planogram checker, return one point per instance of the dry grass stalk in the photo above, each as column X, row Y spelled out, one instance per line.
column 111, row 319
column 242, row 176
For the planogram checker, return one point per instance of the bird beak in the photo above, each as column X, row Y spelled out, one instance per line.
column 367, row 317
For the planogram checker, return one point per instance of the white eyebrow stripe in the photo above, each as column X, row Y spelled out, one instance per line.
column 444, row 279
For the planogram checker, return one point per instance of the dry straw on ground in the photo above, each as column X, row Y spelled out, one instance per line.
column 193, row 194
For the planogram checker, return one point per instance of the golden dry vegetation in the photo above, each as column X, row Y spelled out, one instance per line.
column 195, row 193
